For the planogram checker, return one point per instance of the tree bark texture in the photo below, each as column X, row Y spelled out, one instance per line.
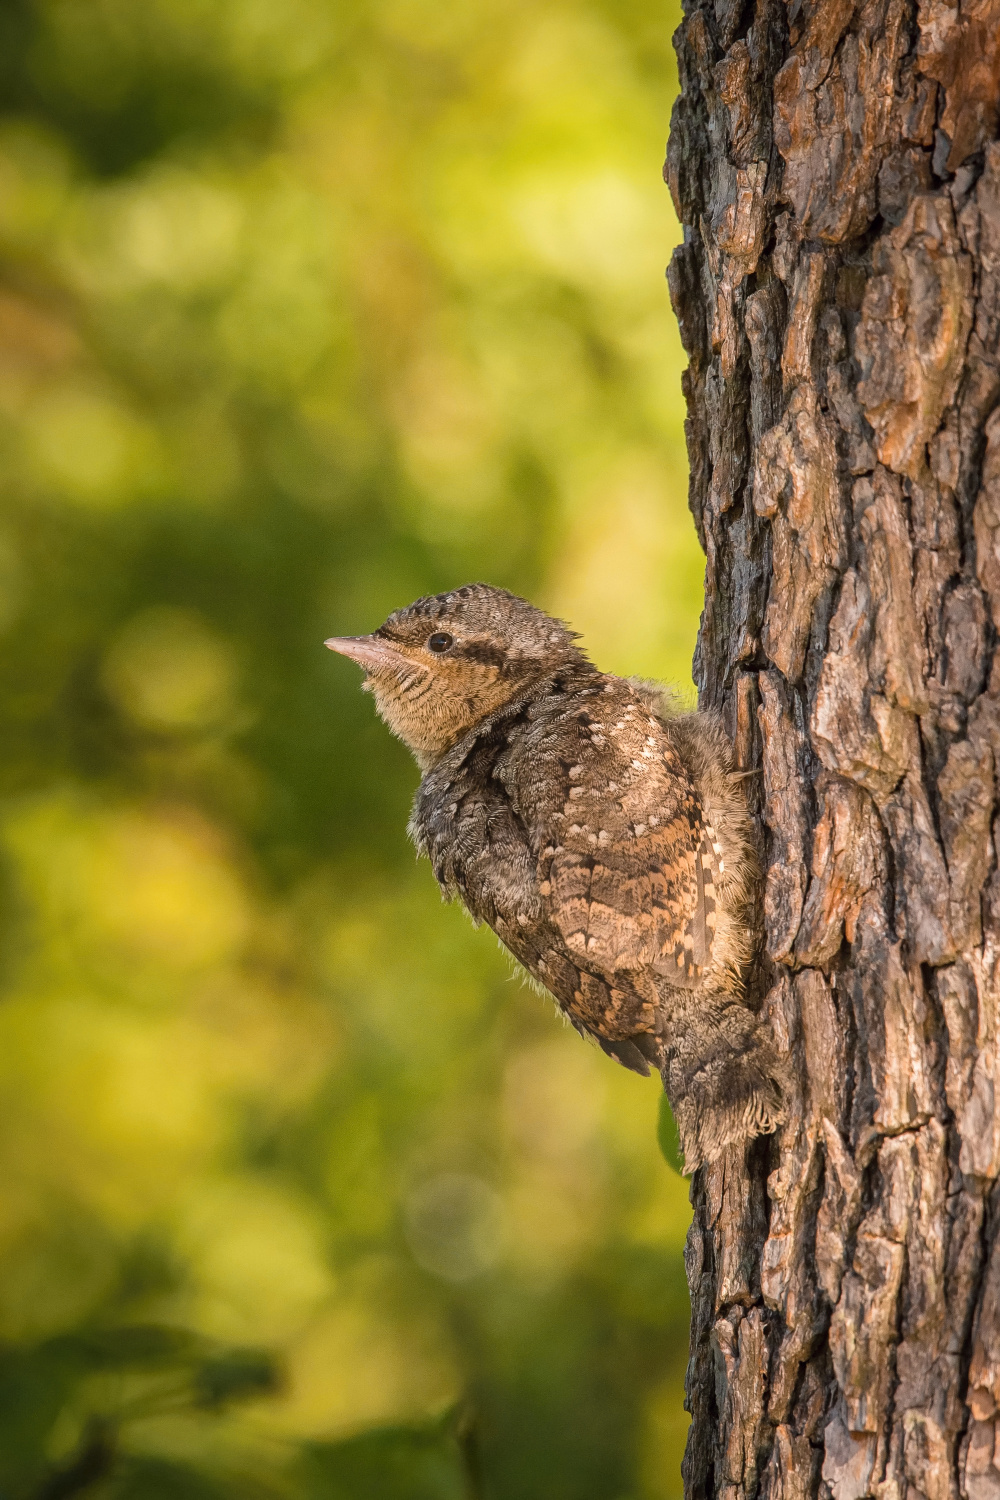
column 836, row 165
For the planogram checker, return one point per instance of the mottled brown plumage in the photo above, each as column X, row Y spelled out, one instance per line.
column 605, row 842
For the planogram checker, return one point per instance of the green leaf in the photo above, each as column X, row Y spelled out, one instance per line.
column 668, row 1138
column 236, row 1375
column 420, row 1462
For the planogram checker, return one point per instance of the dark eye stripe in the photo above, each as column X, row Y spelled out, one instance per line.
column 483, row 652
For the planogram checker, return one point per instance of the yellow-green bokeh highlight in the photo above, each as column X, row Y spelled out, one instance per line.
column 413, row 295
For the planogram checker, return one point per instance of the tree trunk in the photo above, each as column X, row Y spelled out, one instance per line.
column 837, row 169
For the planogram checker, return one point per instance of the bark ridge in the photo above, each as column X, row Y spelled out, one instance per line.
column 836, row 166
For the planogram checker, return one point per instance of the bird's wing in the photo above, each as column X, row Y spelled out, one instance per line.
column 630, row 877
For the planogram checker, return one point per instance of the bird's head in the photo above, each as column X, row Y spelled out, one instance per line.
column 442, row 664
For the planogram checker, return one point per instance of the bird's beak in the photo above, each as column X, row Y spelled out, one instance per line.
column 366, row 650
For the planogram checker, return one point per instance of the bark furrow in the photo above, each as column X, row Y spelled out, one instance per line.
column 836, row 165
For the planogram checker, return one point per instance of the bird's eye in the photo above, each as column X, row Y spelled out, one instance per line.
column 440, row 641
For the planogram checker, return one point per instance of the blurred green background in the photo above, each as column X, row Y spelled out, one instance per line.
column 307, row 309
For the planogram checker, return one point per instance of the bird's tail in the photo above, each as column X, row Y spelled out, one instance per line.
column 728, row 1087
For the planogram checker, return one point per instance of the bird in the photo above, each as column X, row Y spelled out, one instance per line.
column 605, row 839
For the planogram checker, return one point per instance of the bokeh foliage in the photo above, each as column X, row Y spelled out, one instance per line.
column 306, row 309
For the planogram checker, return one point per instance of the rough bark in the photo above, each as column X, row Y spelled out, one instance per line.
column 836, row 166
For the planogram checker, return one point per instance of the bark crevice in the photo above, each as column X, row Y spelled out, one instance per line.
column 836, row 165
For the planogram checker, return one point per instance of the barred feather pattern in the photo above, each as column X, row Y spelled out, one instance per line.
column 609, row 847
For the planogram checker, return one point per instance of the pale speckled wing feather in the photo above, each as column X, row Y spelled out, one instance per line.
column 639, row 891
column 649, row 912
